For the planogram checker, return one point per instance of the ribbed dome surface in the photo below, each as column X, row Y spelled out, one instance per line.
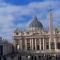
column 35, row 23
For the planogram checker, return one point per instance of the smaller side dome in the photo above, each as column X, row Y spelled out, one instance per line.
column 17, row 31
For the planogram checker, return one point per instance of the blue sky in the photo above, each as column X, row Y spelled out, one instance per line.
column 19, row 13
column 21, row 2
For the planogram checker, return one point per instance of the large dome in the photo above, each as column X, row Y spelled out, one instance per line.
column 36, row 24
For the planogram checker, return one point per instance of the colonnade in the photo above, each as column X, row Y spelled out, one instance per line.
column 42, row 44
column 32, row 45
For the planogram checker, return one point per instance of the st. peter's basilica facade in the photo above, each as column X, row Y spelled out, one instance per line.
column 36, row 40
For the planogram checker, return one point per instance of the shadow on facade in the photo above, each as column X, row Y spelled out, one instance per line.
column 29, row 57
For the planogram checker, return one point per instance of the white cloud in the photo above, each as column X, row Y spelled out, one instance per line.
column 10, row 13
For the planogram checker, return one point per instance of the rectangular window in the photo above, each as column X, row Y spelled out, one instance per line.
column 47, row 46
column 33, row 44
column 1, row 49
column 37, row 44
column 28, row 44
column 47, row 43
column 38, row 47
column 41, row 43
column 52, row 45
column 58, row 45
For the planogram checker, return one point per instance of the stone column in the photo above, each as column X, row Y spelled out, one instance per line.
column 32, row 44
column 35, row 44
column 25, row 44
column 43, row 43
column 49, row 44
column 40, row 43
column 55, row 43
column 14, row 43
column 21, row 44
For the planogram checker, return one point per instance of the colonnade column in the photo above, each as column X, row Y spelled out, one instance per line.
column 14, row 43
column 55, row 43
column 43, row 43
column 35, row 44
column 49, row 43
column 20, row 43
column 25, row 44
column 32, row 44
column 40, row 43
